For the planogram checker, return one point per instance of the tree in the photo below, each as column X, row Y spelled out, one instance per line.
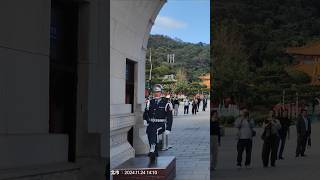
column 182, row 87
column 230, row 62
column 181, row 74
column 161, row 70
column 192, row 59
column 299, row 77
column 259, row 32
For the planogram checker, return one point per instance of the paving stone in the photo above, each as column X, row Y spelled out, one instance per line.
column 190, row 138
column 291, row 168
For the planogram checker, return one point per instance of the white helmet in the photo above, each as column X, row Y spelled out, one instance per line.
column 157, row 88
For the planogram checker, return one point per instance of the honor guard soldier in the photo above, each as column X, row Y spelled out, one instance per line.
column 156, row 118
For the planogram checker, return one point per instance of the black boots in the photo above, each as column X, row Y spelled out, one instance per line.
column 152, row 157
column 153, row 153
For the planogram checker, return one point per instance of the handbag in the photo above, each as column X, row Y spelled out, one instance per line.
column 263, row 136
column 309, row 141
column 254, row 133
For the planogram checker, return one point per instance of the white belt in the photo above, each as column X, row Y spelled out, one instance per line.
column 158, row 120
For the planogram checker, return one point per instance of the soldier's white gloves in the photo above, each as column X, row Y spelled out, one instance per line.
column 167, row 132
column 153, row 148
column 145, row 123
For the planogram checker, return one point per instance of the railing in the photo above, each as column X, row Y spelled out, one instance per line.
column 231, row 110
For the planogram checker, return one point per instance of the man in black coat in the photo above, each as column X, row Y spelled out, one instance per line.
column 176, row 104
column 303, row 132
column 204, row 104
column 198, row 103
column 284, row 131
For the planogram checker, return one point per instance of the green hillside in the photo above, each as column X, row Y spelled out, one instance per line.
column 190, row 59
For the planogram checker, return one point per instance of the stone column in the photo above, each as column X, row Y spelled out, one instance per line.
column 140, row 138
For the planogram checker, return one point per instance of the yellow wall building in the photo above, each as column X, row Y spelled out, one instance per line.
column 308, row 57
column 205, row 80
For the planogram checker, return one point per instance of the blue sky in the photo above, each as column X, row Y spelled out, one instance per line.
column 188, row 20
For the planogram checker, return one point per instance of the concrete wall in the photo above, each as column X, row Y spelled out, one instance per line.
column 92, row 141
column 24, row 66
column 24, row 84
column 24, row 89
column 130, row 25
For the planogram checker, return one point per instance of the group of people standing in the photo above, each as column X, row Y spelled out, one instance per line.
column 175, row 103
column 274, row 135
column 195, row 104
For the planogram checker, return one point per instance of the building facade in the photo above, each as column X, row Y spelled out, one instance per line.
column 130, row 25
column 53, row 89
column 308, row 58
column 205, row 80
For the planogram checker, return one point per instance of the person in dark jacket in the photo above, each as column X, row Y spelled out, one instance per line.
column 176, row 106
column 194, row 106
column 214, row 139
column 270, row 138
column 284, row 131
column 169, row 110
column 204, row 104
column 303, row 133
column 198, row 103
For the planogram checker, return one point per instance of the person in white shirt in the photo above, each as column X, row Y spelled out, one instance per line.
column 245, row 133
column 186, row 106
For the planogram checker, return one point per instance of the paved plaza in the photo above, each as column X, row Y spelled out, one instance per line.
column 291, row 168
column 190, row 138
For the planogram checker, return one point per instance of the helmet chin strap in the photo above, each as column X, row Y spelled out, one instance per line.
column 157, row 97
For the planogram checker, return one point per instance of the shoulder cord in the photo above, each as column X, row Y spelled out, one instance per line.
column 168, row 104
column 148, row 105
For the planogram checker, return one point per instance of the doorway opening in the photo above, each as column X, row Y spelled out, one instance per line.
column 130, row 91
column 63, row 71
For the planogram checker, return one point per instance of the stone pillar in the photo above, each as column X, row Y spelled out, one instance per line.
column 121, row 149
column 140, row 138
column 92, row 103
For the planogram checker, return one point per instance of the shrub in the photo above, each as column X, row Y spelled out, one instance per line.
column 298, row 76
column 259, row 117
column 227, row 121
